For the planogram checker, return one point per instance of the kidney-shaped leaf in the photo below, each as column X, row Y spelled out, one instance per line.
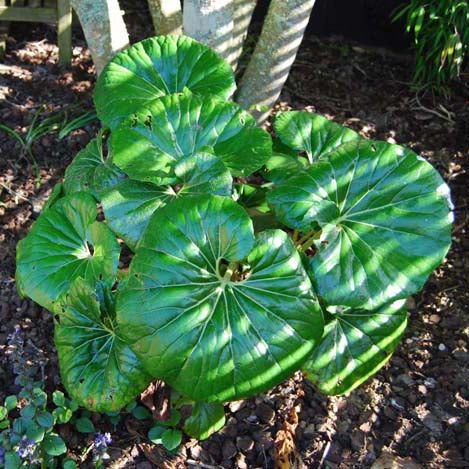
column 153, row 140
column 129, row 206
column 355, row 345
column 98, row 369
column 64, row 243
column 385, row 219
column 90, row 171
column 206, row 418
column 216, row 335
column 155, row 67
column 311, row 133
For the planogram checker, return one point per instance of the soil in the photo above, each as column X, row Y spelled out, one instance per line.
column 413, row 413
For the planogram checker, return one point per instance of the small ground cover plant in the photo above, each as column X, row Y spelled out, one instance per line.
column 251, row 258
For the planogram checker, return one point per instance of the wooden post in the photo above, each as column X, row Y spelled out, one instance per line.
column 64, row 30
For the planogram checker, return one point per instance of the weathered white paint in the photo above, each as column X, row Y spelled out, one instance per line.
column 243, row 10
column 166, row 16
column 273, row 56
column 104, row 28
column 210, row 22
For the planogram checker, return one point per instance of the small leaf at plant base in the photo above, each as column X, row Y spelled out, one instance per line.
column 57, row 250
column 171, row 439
column 3, row 413
column 155, row 67
column 58, row 398
column 62, row 415
column 91, row 172
column 151, row 142
column 36, row 433
column 311, row 133
column 355, row 345
column 45, row 419
column 385, row 219
column 84, row 425
column 54, row 445
column 39, row 397
column 97, row 368
column 129, row 205
column 141, row 413
column 11, row 402
column 173, row 420
column 205, row 419
column 28, row 411
column 12, row 460
column 155, row 433
column 265, row 324
column 69, row 464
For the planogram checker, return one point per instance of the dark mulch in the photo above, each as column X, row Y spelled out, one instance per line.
column 415, row 409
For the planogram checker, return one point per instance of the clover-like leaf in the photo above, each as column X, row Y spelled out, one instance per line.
column 153, row 140
column 355, row 345
column 384, row 218
column 129, row 206
column 97, row 367
column 64, row 243
column 90, row 171
column 155, row 67
column 311, row 133
column 214, row 311
column 206, row 418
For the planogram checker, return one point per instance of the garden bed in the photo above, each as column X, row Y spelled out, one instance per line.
column 416, row 408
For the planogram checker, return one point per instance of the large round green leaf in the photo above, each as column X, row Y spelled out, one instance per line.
column 98, row 369
column 311, row 133
column 385, row 222
column 153, row 140
column 91, row 172
column 214, row 332
column 155, row 67
column 64, row 243
column 355, row 345
column 129, row 206
column 206, row 418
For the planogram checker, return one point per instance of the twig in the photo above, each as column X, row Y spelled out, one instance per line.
column 420, row 107
column 324, row 454
column 202, row 465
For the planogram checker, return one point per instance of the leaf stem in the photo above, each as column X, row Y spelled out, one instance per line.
column 306, row 237
column 295, row 236
column 308, row 244
column 232, row 266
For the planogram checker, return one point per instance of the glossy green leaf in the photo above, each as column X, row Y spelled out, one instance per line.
column 205, row 419
column 355, row 345
column 171, row 439
column 58, row 397
column 141, row 413
column 129, row 206
column 385, row 222
column 155, row 67
column 311, row 133
column 3, row 413
column 45, row 419
column 11, row 402
column 69, row 464
column 153, row 140
column 64, row 243
column 155, row 433
column 91, row 172
column 216, row 335
column 12, row 460
column 280, row 167
column 36, row 433
column 56, row 194
column 97, row 367
column 54, row 445
column 84, row 425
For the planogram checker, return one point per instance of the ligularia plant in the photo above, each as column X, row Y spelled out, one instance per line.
column 235, row 282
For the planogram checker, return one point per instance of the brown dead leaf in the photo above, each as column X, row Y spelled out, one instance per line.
column 393, row 461
column 156, row 399
column 286, row 453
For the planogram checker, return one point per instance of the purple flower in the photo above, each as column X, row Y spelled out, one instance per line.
column 26, row 448
column 101, row 442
